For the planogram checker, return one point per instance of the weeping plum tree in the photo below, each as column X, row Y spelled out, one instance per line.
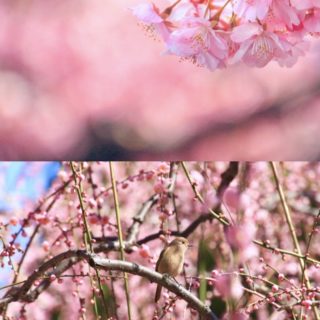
column 87, row 248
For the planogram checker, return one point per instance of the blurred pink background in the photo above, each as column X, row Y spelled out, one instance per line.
column 81, row 79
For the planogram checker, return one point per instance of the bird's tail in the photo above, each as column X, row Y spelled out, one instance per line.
column 158, row 293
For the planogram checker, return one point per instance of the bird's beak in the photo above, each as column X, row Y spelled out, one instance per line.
column 190, row 245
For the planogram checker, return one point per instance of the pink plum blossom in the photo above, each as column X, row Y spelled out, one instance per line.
column 232, row 198
column 229, row 286
column 240, row 239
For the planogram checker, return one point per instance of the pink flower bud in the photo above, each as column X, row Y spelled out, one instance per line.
column 306, row 303
column 159, row 188
column 45, row 246
column 53, row 277
column 37, row 282
column 14, row 221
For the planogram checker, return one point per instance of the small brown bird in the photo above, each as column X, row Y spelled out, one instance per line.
column 171, row 260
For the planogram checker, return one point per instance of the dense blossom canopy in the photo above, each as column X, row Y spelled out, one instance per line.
column 255, row 253
column 217, row 33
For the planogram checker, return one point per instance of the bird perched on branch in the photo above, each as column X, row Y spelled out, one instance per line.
column 171, row 260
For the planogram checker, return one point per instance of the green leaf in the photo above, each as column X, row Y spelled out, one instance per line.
column 219, row 306
column 109, row 302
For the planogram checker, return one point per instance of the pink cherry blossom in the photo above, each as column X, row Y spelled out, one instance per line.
column 312, row 21
column 196, row 40
column 282, row 14
column 209, row 34
column 305, row 4
column 252, row 9
column 257, row 46
column 149, row 14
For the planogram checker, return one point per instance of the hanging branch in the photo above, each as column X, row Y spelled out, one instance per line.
column 117, row 209
column 87, row 238
column 312, row 233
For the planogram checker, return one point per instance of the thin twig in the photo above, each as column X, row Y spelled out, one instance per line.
column 285, row 252
column 313, row 231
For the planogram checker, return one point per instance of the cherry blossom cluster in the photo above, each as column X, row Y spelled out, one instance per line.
column 220, row 33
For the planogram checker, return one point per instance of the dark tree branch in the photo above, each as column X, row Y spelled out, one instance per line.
column 185, row 233
column 227, row 177
column 139, row 218
column 22, row 293
column 276, row 112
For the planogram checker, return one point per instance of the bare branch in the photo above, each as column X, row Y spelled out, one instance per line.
column 139, row 218
column 227, row 177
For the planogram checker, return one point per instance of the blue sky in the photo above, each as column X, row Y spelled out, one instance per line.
column 24, row 182
column 21, row 185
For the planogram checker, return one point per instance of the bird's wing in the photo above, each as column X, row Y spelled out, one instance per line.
column 159, row 259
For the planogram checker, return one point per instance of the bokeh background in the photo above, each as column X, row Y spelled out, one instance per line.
column 81, row 79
